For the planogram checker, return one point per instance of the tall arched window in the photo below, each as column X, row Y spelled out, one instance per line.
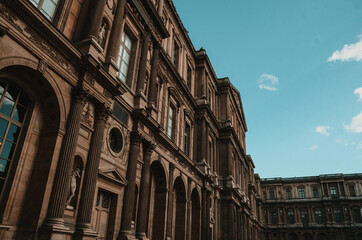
column 13, row 107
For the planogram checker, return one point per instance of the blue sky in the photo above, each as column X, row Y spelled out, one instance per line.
column 298, row 67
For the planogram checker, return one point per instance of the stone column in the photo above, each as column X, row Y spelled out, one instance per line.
column 169, row 203
column 61, row 185
column 89, row 20
column 188, row 209
column 204, row 209
column 142, row 215
column 160, row 8
column 129, row 194
column 91, row 172
column 143, row 63
column 152, row 96
column 116, row 33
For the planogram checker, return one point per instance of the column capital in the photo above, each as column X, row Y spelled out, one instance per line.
column 80, row 95
column 103, row 112
column 135, row 138
column 148, row 147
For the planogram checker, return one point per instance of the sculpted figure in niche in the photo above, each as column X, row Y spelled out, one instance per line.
column 73, row 186
column 101, row 34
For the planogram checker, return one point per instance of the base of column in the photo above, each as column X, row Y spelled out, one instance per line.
column 126, row 235
column 85, row 232
column 54, row 229
column 142, row 236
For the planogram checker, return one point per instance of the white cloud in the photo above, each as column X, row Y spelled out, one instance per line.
column 356, row 124
column 268, row 82
column 349, row 52
column 358, row 91
column 323, row 130
column 314, row 147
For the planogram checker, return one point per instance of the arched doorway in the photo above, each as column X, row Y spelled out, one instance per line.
column 195, row 215
column 157, row 202
column 179, row 210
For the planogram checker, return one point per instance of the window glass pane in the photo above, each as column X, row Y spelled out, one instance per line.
column 2, row 87
column 128, row 42
column 124, row 68
column 23, row 100
column 19, row 113
column 126, row 57
column 105, row 201
column 48, row 8
column 7, row 107
column 3, row 125
column 35, row 2
column 13, row 133
column 3, row 167
column 8, row 150
column 12, row 92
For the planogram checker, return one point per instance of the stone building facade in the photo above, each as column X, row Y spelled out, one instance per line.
column 112, row 126
column 313, row 208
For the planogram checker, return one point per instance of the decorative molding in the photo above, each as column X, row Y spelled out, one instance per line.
column 42, row 66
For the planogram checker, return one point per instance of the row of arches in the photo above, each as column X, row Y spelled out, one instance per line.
column 178, row 208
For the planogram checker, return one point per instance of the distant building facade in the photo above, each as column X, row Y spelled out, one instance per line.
column 112, row 126
column 313, row 208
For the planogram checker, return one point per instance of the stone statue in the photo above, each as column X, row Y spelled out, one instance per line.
column 73, row 186
column 101, row 34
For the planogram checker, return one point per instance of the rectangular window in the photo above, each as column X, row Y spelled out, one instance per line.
column 274, row 217
column 271, row 194
column 290, row 217
column 352, row 192
column 357, row 216
column 333, row 191
column 187, row 137
column 315, row 192
column 188, row 77
column 288, row 192
column 120, row 114
column 304, row 214
column 338, row 215
column 176, row 50
column 124, row 56
column 318, row 216
column 301, row 193
column 46, row 7
column 171, row 122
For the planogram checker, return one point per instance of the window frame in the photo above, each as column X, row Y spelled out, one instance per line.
column 40, row 5
column 290, row 216
column 120, row 57
column 301, row 192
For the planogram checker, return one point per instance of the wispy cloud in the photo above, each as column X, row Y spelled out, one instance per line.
column 358, row 91
column 356, row 124
column 348, row 53
column 268, row 82
column 314, row 147
column 359, row 146
column 345, row 142
column 323, row 130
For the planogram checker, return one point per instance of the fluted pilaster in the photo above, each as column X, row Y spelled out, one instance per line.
column 91, row 170
column 65, row 163
column 129, row 194
column 144, row 191
column 169, row 203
